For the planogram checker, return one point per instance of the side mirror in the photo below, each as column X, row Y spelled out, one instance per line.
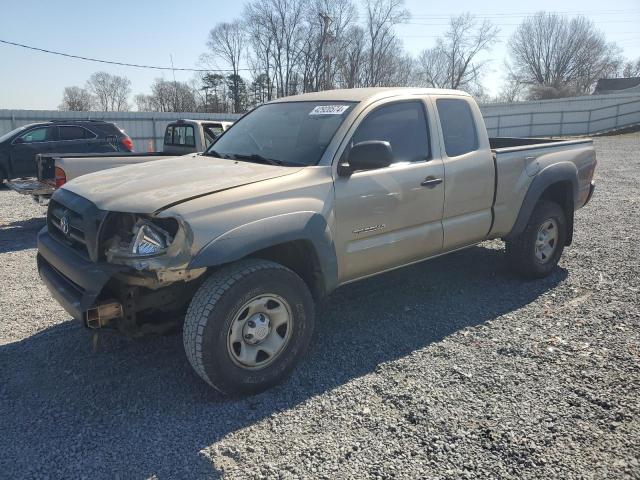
column 367, row 156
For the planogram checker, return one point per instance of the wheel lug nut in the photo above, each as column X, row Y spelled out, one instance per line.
column 248, row 336
column 251, row 324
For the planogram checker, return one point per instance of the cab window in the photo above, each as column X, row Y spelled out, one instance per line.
column 458, row 128
column 180, row 135
column 403, row 125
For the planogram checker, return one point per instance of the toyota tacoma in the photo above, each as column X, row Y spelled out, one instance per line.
column 300, row 196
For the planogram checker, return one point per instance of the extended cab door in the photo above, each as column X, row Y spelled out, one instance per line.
column 390, row 216
column 469, row 171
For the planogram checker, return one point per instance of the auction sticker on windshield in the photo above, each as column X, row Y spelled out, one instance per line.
column 329, row 110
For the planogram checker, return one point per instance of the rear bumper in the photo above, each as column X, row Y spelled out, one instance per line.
column 73, row 281
column 30, row 186
column 592, row 187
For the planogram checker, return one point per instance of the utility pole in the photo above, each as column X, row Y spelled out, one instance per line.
column 326, row 50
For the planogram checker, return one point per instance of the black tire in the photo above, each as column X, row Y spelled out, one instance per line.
column 521, row 251
column 214, row 308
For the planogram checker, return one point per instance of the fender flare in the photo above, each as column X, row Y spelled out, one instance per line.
column 555, row 173
column 271, row 231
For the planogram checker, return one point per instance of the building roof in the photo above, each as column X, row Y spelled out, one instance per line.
column 360, row 94
column 616, row 84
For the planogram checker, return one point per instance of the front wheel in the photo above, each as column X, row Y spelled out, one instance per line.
column 536, row 251
column 248, row 325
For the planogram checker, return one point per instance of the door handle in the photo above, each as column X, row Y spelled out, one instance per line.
column 431, row 181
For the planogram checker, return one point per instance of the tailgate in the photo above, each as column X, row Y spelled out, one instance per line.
column 45, row 164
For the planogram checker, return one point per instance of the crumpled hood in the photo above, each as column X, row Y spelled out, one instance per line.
column 150, row 186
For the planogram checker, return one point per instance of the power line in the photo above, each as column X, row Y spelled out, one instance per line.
column 111, row 62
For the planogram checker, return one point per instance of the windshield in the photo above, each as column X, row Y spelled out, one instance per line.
column 10, row 134
column 288, row 133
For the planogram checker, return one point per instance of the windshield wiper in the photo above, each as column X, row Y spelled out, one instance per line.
column 213, row 153
column 254, row 157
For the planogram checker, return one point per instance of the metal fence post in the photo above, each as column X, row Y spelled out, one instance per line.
column 589, row 122
column 561, row 122
column 617, row 115
column 531, row 124
column 499, row 117
column 13, row 121
column 155, row 134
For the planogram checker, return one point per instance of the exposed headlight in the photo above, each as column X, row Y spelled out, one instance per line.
column 149, row 239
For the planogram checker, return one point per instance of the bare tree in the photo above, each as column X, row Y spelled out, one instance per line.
column 350, row 58
column 631, row 69
column 227, row 43
column 557, row 56
column 111, row 91
column 381, row 16
column 453, row 62
column 276, row 27
column 168, row 96
column 76, row 99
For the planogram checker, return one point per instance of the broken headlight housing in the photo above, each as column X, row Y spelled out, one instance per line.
column 149, row 239
column 145, row 242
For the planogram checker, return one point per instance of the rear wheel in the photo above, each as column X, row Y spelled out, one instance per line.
column 248, row 325
column 536, row 251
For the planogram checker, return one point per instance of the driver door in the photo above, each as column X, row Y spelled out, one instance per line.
column 26, row 146
column 391, row 216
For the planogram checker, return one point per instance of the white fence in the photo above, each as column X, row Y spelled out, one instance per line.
column 146, row 129
column 567, row 116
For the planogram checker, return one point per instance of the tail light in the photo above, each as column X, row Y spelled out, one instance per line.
column 127, row 143
column 61, row 177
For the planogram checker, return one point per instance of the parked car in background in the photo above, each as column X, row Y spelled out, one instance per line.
column 53, row 170
column 19, row 147
column 303, row 195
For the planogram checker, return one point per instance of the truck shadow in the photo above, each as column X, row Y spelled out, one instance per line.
column 138, row 404
column 20, row 235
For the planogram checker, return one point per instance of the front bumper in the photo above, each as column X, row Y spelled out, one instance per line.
column 73, row 281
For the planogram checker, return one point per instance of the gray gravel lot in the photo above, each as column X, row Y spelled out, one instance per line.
column 450, row 369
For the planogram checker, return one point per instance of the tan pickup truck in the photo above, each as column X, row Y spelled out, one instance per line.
column 302, row 195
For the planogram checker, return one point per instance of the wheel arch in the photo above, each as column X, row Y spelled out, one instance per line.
column 557, row 183
column 300, row 241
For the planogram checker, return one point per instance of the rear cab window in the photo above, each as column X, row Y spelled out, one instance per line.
column 180, row 135
column 458, row 127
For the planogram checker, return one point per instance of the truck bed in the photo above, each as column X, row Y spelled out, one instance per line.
column 76, row 164
column 518, row 160
column 517, row 143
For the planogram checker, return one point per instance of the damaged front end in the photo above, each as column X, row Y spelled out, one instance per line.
column 117, row 270
column 157, row 249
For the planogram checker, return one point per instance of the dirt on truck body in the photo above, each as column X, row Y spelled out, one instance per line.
column 300, row 196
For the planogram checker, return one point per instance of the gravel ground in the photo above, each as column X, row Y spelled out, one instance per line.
column 450, row 369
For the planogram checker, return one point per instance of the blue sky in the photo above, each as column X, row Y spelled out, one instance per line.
column 149, row 32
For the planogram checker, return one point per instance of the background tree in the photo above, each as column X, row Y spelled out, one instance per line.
column 381, row 16
column 111, row 91
column 631, row 69
column 453, row 62
column 76, row 99
column 227, row 43
column 168, row 96
column 555, row 56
